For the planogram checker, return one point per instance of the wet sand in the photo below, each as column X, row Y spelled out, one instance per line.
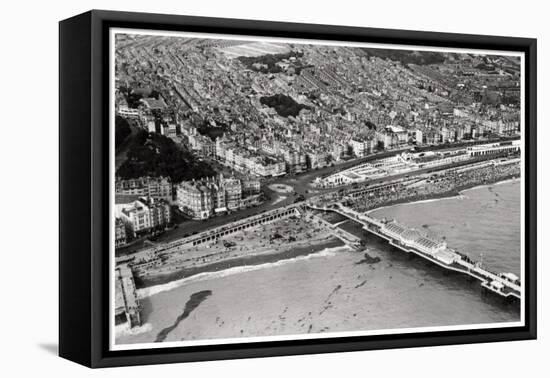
column 250, row 260
column 194, row 301
column 282, row 239
column 329, row 293
column 335, row 290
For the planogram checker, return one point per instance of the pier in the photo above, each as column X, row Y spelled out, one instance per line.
column 346, row 237
column 126, row 302
column 401, row 237
column 412, row 241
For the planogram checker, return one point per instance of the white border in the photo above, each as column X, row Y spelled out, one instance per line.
column 115, row 347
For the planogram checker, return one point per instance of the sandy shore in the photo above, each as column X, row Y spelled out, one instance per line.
column 335, row 291
column 253, row 259
column 455, row 192
column 283, row 239
column 459, row 191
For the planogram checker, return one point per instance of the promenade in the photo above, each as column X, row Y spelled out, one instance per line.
column 167, row 258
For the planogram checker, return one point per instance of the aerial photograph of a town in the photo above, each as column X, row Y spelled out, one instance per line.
column 269, row 188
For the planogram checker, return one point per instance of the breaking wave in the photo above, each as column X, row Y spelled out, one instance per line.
column 125, row 330
column 459, row 197
column 149, row 291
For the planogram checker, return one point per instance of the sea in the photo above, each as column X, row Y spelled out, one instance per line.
column 340, row 291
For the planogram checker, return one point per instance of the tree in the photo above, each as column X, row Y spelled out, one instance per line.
column 122, row 130
column 284, row 105
column 155, row 155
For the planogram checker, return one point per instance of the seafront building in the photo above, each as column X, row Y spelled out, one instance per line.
column 250, row 186
column 361, row 147
column 495, row 148
column 414, row 239
column 201, row 199
column 251, row 162
column 295, row 160
column 196, row 200
column 410, row 162
column 154, row 187
column 120, row 233
column 233, row 192
column 392, row 137
column 143, row 215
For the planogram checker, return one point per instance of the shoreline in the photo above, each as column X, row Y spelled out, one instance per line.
column 251, row 260
column 317, row 289
column 150, row 291
column 146, row 283
column 454, row 193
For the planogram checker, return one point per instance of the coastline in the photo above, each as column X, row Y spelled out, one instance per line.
column 150, row 291
column 327, row 291
column 254, row 259
column 251, row 260
column 455, row 193
column 472, row 223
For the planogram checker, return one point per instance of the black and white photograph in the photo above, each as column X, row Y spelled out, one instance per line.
column 284, row 189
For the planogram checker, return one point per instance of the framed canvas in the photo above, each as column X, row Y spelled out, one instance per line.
column 234, row 188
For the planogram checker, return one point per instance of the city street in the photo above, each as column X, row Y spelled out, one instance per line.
column 301, row 184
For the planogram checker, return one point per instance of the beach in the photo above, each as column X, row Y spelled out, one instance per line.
column 332, row 290
column 282, row 239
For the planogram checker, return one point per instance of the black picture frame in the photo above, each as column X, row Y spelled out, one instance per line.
column 84, row 187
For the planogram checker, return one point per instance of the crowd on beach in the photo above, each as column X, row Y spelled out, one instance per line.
column 442, row 184
column 274, row 237
column 296, row 232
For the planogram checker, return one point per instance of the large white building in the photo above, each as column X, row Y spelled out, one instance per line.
column 127, row 112
column 361, row 147
column 338, row 151
column 393, row 165
column 412, row 238
column 495, row 148
column 135, row 216
column 143, row 214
